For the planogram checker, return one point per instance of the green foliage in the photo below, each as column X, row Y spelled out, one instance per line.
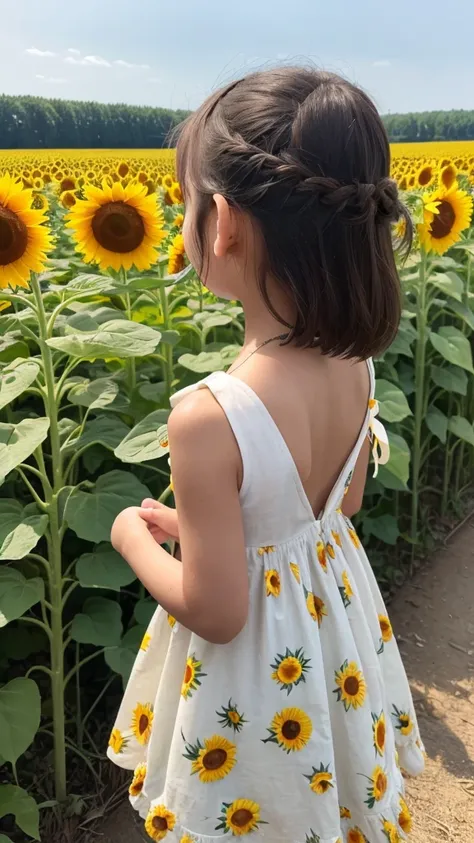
column 35, row 123
column 430, row 126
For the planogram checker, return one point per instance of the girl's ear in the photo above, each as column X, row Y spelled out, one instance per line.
column 225, row 234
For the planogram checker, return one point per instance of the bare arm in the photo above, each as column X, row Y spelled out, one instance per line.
column 353, row 499
column 208, row 591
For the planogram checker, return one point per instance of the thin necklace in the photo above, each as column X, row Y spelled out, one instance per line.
column 281, row 337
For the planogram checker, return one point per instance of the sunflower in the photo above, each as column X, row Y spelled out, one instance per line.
column 289, row 670
column 159, row 821
column 171, row 621
column 24, row 240
column 67, row 183
column 192, row 677
column 168, row 181
column 425, row 176
column 447, row 176
column 351, row 688
column 320, row 780
column 123, row 169
column 136, row 786
column 379, row 732
column 269, row 548
column 232, row 718
column 345, row 589
column 400, row 228
column 291, row 729
column 404, row 722
column 176, row 255
column 322, row 558
column 385, row 628
column 272, row 583
column 353, row 537
column 316, row 607
column 68, row 199
column 296, row 572
column 404, row 817
column 142, row 721
column 337, row 538
column 145, row 642
column 377, row 787
column 446, row 214
column 344, row 813
column 174, row 195
column 354, row 835
column 117, row 227
column 178, row 220
column 239, row 817
column 186, row 839
column 117, row 741
column 39, row 202
column 330, row 550
column 212, row 760
column 391, row 832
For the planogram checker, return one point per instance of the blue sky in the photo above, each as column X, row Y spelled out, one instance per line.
column 409, row 54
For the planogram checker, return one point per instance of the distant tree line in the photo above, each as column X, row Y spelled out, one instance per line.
column 430, row 126
column 39, row 123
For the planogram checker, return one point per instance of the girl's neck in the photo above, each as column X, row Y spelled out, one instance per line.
column 260, row 324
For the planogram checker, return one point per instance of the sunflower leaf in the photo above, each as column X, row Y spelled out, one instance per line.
column 91, row 514
column 449, row 282
column 206, row 361
column 94, row 394
column 19, row 532
column 461, row 428
column 17, row 594
column 99, row 623
column 453, row 345
column 14, row 800
column 20, row 714
column 399, row 463
column 148, row 440
column 15, row 378
column 104, row 568
column 18, row 441
column 393, row 404
column 450, row 378
column 119, row 337
column 103, row 430
column 437, row 423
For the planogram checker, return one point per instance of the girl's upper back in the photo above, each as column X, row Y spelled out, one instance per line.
column 296, row 424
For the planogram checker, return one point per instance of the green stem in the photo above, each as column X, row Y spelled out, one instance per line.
column 32, row 491
column 79, row 726
column 80, row 664
column 130, row 362
column 54, row 540
column 37, row 622
column 168, row 374
column 447, row 464
column 419, row 399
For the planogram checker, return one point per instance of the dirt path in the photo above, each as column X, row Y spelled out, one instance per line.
column 434, row 620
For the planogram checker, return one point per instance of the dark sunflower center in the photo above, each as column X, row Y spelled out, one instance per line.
column 404, row 719
column 118, row 227
column 274, row 581
column 160, row 823
column 241, row 817
column 425, row 176
column 290, row 729
column 324, row 785
column 68, row 184
column 138, row 786
column 187, row 674
column 143, row 724
column 13, row 236
column 351, row 686
column 381, row 734
column 214, row 759
column 443, row 220
column 380, row 782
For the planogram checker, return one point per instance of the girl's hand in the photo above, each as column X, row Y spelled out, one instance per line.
column 162, row 520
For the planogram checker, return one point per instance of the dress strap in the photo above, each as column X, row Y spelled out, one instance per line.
column 371, row 428
column 271, row 485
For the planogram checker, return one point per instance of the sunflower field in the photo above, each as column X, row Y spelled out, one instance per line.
column 101, row 320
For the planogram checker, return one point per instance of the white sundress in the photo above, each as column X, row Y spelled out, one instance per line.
column 294, row 732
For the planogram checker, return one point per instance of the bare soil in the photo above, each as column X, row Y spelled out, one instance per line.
column 433, row 617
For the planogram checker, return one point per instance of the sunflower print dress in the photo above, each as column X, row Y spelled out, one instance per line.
column 296, row 731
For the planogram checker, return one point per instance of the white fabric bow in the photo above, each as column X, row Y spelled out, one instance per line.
column 378, row 437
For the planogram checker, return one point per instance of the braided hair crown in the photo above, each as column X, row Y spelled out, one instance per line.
column 305, row 153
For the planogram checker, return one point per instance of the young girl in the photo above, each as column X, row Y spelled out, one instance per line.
column 269, row 699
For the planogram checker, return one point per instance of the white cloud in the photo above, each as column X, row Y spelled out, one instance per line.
column 44, row 54
column 73, row 51
column 53, row 80
column 130, row 65
column 381, row 63
column 154, row 79
column 89, row 61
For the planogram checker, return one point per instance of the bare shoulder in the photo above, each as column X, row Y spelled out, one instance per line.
column 198, row 423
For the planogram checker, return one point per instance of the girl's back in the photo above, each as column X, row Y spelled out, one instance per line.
column 269, row 697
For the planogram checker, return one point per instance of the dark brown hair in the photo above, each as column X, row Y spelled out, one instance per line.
column 306, row 154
